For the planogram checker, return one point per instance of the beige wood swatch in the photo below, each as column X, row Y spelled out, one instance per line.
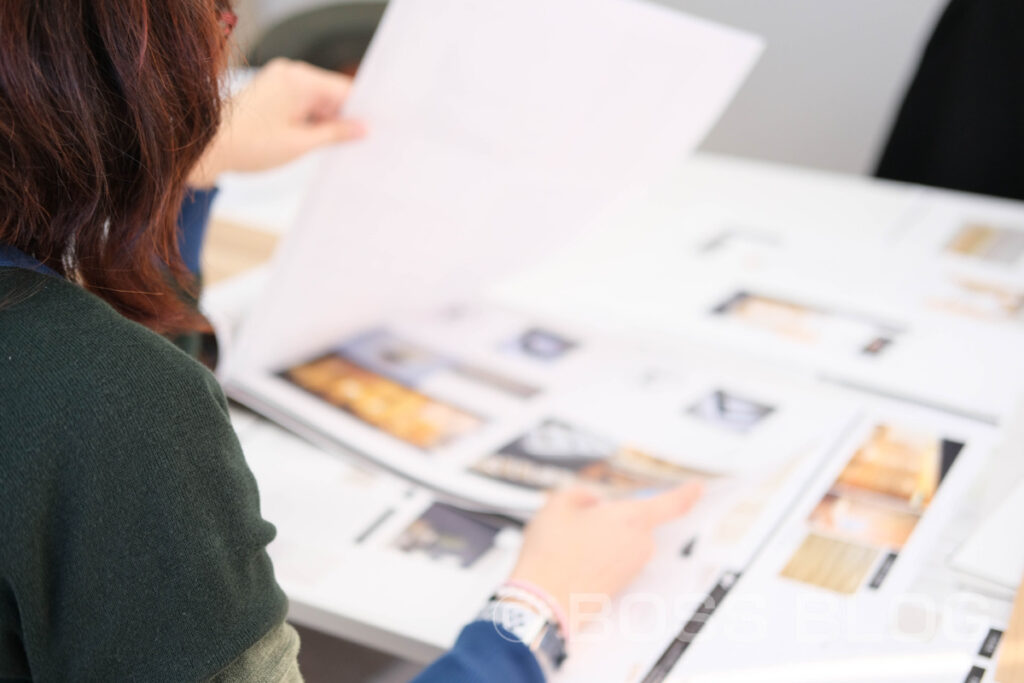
column 831, row 564
column 1011, row 656
column 231, row 249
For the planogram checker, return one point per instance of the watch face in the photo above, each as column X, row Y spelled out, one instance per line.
column 528, row 627
column 516, row 620
column 515, row 617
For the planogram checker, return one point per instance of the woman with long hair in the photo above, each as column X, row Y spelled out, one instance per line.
column 131, row 541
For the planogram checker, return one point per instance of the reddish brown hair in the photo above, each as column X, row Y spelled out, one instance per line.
column 105, row 107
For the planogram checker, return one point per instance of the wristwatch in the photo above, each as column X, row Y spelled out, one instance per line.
column 530, row 623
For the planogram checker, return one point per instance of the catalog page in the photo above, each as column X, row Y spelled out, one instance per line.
column 493, row 407
column 892, row 313
column 839, row 585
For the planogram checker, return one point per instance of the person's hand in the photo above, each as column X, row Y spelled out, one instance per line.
column 581, row 543
column 290, row 108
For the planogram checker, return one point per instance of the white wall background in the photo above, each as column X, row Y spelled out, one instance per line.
column 824, row 93
column 830, row 81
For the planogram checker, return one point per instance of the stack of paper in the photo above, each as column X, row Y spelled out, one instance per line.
column 498, row 131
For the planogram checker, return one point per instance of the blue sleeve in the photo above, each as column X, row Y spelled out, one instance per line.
column 195, row 214
column 484, row 653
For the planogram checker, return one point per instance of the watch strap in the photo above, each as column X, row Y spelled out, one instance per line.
column 531, row 626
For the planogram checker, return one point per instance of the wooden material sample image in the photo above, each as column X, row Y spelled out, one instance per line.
column 873, row 506
column 831, row 564
column 555, row 453
column 846, row 331
column 401, row 412
column 996, row 244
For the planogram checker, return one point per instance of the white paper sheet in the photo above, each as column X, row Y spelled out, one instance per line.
column 497, row 130
column 995, row 552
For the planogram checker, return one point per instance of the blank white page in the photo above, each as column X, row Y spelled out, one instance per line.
column 991, row 552
column 497, row 131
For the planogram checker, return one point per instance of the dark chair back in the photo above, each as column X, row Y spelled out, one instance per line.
column 961, row 125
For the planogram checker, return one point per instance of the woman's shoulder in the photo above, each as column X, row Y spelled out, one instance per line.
column 56, row 335
column 122, row 476
column 79, row 377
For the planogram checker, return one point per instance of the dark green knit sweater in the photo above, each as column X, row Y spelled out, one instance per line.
column 131, row 544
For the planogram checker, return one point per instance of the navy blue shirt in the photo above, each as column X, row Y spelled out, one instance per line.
column 484, row 653
column 192, row 222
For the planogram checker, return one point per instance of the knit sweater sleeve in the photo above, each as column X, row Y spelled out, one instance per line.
column 132, row 547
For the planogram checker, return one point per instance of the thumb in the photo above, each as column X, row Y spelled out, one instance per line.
column 332, row 131
column 576, row 496
column 664, row 507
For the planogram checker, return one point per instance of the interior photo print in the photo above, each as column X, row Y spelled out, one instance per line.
column 872, row 508
column 807, row 325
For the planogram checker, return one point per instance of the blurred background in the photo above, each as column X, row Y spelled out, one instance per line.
column 824, row 95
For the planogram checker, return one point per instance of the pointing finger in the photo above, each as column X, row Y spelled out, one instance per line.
column 664, row 507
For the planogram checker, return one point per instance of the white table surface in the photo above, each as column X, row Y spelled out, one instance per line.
column 415, row 610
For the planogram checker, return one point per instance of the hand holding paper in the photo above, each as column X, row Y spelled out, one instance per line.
column 500, row 130
column 289, row 109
